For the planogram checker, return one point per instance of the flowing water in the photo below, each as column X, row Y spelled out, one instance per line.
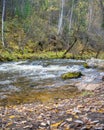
column 30, row 80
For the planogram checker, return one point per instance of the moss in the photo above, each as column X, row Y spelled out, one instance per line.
column 86, row 65
column 71, row 75
column 16, row 55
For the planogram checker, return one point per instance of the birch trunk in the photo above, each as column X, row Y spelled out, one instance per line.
column 3, row 14
column 61, row 18
column 90, row 12
column 71, row 15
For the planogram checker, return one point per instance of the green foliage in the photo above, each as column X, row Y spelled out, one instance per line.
column 23, row 10
column 80, row 13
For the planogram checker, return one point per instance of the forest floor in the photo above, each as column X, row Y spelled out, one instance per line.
column 84, row 112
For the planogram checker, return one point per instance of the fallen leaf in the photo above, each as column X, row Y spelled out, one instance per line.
column 80, row 106
column 11, row 117
column 10, row 123
column 56, row 124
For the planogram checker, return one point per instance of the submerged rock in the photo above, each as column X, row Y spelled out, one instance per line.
column 71, row 75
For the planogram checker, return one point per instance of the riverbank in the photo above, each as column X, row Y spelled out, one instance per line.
column 84, row 112
column 17, row 56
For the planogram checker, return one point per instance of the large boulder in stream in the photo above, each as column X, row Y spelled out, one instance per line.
column 95, row 63
column 71, row 75
column 89, row 86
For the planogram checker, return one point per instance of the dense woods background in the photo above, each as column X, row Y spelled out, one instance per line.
column 52, row 25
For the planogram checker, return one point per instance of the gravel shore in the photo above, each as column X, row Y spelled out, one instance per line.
column 85, row 112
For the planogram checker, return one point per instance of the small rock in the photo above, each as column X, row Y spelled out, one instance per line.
column 100, row 128
column 28, row 126
column 48, row 122
column 84, row 128
column 95, row 122
column 62, row 124
column 79, row 121
column 43, row 124
column 23, row 122
column 69, row 119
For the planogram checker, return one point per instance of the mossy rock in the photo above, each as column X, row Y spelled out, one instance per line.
column 86, row 65
column 71, row 75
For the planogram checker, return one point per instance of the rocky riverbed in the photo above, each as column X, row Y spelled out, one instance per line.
column 84, row 112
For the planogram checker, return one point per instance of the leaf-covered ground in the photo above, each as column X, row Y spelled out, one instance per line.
column 85, row 112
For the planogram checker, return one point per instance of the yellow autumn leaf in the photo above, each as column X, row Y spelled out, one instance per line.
column 76, row 116
column 10, row 123
column 73, row 113
column 101, row 111
column 56, row 124
column 80, row 106
column 11, row 117
column 93, row 110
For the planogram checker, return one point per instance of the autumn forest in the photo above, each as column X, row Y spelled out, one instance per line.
column 52, row 65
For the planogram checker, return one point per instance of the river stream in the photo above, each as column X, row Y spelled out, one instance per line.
column 26, row 77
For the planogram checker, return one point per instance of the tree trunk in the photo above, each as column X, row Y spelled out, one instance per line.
column 102, row 8
column 97, row 54
column 61, row 18
column 3, row 14
column 71, row 15
column 69, row 48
